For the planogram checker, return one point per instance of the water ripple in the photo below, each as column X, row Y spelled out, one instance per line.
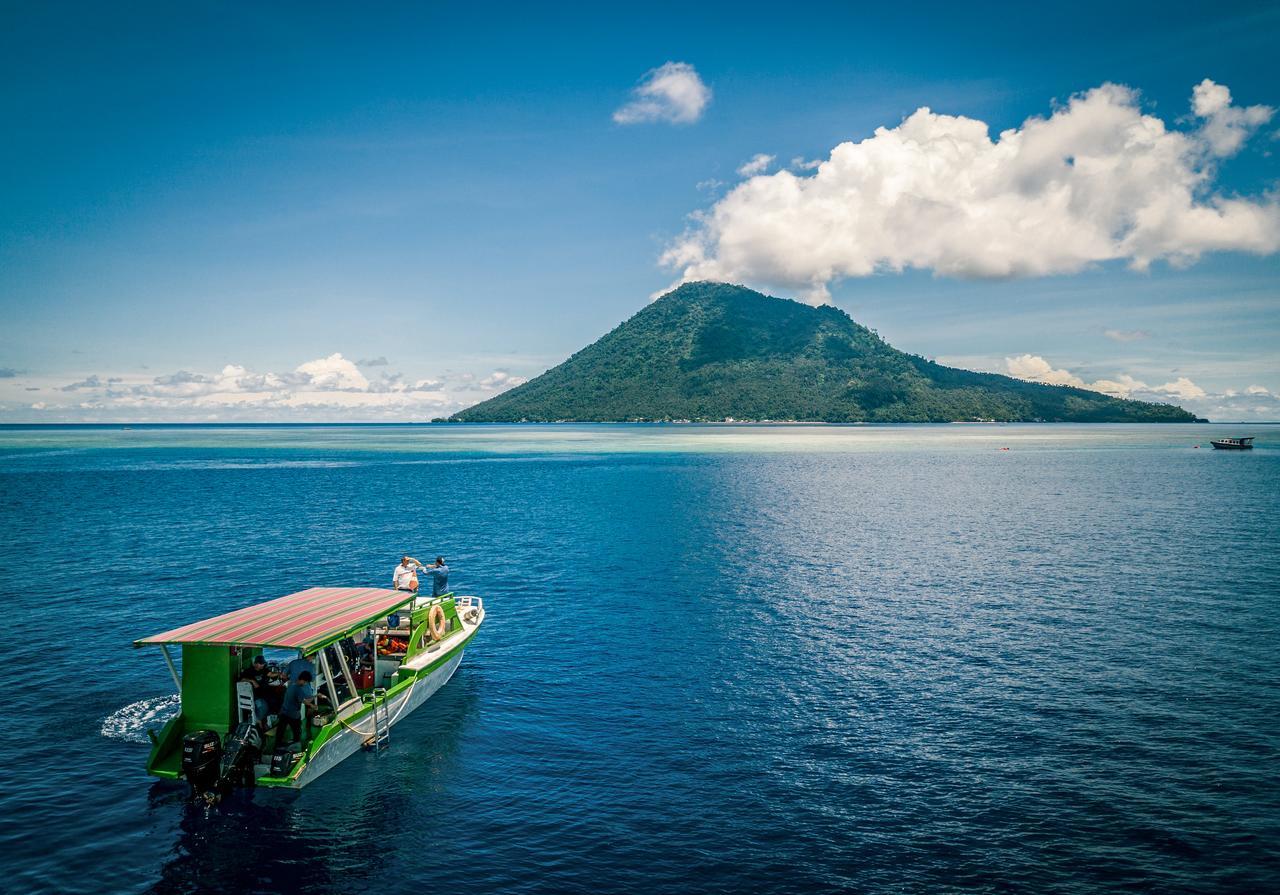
column 841, row 660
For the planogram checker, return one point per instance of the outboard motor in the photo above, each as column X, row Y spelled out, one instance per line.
column 282, row 760
column 239, row 756
column 201, row 760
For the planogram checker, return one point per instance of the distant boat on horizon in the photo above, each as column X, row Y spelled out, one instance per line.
column 1234, row 444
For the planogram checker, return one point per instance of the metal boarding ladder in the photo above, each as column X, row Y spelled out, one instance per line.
column 381, row 721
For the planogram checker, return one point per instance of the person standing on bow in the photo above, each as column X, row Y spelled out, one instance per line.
column 405, row 576
column 439, row 577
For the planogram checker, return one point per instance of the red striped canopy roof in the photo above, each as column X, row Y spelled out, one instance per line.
column 304, row 620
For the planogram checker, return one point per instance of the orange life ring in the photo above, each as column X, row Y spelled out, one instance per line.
column 435, row 620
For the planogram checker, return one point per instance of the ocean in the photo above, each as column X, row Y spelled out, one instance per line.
column 969, row 658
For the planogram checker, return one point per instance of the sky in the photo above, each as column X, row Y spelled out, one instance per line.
column 217, row 212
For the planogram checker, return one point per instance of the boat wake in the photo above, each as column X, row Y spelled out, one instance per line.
column 132, row 722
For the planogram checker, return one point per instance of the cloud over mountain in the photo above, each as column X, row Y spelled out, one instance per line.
column 1097, row 180
column 1254, row 401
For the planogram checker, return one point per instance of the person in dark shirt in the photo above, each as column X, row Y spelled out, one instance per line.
column 258, row 668
column 263, row 689
column 299, row 693
column 256, row 675
column 439, row 577
column 299, row 665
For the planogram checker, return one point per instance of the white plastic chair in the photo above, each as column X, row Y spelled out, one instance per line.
column 244, row 702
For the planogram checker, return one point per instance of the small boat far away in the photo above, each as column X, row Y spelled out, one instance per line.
column 373, row 656
column 1234, row 444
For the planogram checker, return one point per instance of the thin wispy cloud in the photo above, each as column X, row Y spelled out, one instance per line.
column 93, row 381
column 1126, row 335
column 758, row 164
column 1095, row 181
column 673, row 93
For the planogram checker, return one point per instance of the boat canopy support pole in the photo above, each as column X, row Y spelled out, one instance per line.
column 328, row 681
column 346, row 672
column 173, row 669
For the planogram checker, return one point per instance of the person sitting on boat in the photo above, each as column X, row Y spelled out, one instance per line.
column 405, row 576
column 257, row 675
column 270, row 683
column 298, row 694
column 439, row 577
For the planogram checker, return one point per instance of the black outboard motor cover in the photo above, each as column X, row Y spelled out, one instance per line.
column 201, row 759
column 239, row 755
column 283, row 758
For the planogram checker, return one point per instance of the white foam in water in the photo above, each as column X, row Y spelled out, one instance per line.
column 132, row 722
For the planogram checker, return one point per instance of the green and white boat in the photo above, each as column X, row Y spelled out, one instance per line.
column 378, row 655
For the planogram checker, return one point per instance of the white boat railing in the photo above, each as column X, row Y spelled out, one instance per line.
column 461, row 602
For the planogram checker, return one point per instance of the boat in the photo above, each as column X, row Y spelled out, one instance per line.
column 1234, row 444
column 378, row 654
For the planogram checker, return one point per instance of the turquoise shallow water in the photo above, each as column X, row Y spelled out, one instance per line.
column 790, row 659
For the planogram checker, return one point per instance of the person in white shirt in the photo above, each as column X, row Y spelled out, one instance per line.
column 405, row 576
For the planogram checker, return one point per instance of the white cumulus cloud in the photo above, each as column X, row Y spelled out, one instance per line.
column 1122, row 386
column 1181, row 390
column 1182, row 387
column 334, row 372
column 672, row 92
column 1097, row 180
column 1034, row 368
column 331, row 387
column 1225, row 127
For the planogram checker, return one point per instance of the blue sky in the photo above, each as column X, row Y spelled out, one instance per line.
column 201, row 200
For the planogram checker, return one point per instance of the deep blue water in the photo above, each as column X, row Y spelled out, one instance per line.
column 794, row 659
